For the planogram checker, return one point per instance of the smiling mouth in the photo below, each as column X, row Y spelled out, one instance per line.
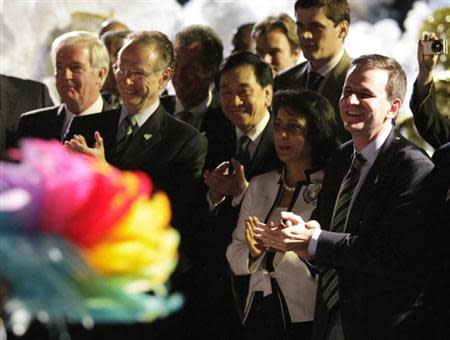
column 352, row 113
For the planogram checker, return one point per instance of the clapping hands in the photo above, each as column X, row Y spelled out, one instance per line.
column 292, row 233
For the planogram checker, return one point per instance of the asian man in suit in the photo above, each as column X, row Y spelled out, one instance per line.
column 241, row 149
column 365, row 241
column 81, row 64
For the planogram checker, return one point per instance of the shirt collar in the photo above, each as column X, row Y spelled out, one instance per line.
column 198, row 110
column 370, row 151
column 255, row 133
column 323, row 70
column 96, row 107
column 142, row 116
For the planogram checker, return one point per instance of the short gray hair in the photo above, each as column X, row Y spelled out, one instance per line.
column 162, row 44
column 98, row 54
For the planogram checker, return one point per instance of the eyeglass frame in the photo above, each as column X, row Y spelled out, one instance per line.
column 132, row 74
column 291, row 129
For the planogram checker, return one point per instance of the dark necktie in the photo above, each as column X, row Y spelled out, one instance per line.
column 314, row 80
column 127, row 130
column 242, row 154
column 329, row 283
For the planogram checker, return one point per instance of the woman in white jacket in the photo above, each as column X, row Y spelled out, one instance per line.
column 282, row 290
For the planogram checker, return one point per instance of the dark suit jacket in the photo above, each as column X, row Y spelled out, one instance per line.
column 378, row 257
column 171, row 152
column 47, row 124
column 18, row 96
column 295, row 78
column 213, row 116
column 222, row 144
column 431, row 124
column 429, row 315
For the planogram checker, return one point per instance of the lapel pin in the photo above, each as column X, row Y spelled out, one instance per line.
column 147, row 136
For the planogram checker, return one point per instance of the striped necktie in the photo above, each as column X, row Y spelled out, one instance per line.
column 127, row 130
column 329, row 283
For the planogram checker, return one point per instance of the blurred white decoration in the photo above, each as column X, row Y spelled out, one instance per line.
column 27, row 25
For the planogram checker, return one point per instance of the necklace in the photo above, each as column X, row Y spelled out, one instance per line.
column 287, row 187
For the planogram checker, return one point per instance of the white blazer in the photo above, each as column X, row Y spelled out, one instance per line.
column 292, row 275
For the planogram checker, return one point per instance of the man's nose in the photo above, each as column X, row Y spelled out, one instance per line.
column 305, row 34
column 268, row 58
column 237, row 100
column 353, row 99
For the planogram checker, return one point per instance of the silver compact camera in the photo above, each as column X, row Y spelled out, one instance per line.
column 431, row 47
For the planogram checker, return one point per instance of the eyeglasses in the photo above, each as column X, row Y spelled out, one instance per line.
column 133, row 74
column 289, row 128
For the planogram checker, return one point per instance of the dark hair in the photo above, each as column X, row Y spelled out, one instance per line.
column 212, row 47
column 114, row 37
column 396, row 84
column 335, row 10
column 283, row 23
column 263, row 71
column 321, row 120
column 242, row 37
column 160, row 40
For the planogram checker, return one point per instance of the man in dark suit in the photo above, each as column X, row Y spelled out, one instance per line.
column 365, row 240
column 81, row 64
column 198, row 54
column 431, row 124
column 18, row 96
column 322, row 26
column 245, row 95
column 141, row 135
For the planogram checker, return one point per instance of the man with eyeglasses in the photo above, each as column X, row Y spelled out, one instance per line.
column 240, row 150
column 322, row 26
column 81, row 64
column 141, row 135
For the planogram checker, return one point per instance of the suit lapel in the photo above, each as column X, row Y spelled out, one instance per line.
column 332, row 89
column 373, row 180
column 54, row 125
column 300, row 80
column 262, row 153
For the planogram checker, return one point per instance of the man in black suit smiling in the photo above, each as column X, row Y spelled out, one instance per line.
column 369, row 249
column 141, row 135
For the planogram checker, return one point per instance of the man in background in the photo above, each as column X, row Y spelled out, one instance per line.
column 322, row 26
column 277, row 42
column 81, row 64
column 18, row 96
column 198, row 54
column 113, row 41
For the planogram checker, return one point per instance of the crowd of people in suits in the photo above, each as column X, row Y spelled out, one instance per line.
column 303, row 214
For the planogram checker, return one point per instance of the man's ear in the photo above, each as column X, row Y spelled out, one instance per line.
column 268, row 92
column 396, row 104
column 165, row 77
column 101, row 75
column 343, row 29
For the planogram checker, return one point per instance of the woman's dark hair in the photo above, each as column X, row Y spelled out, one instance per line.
column 321, row 120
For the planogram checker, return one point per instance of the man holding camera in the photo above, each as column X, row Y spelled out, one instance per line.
column 431, row 124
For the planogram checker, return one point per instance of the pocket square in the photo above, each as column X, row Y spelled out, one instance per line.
column 147, row 136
